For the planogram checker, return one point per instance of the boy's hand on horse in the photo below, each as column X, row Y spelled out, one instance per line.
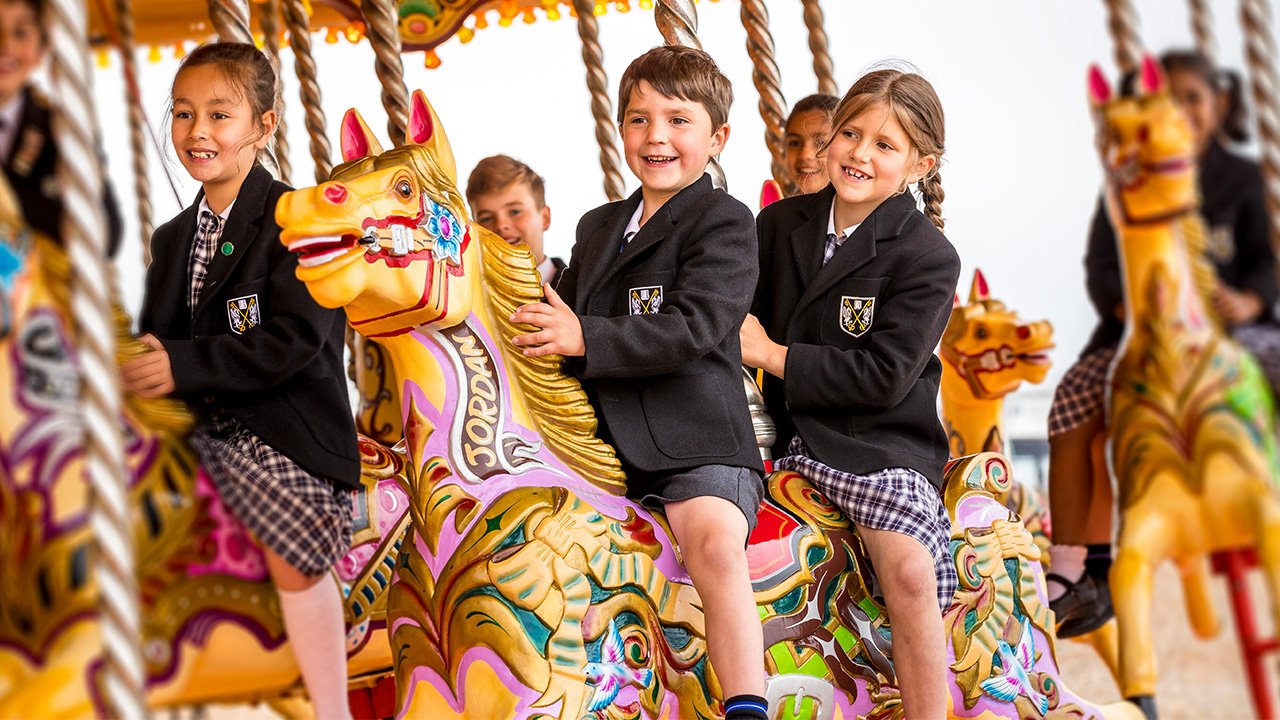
column 561, row 331
column 149, row 376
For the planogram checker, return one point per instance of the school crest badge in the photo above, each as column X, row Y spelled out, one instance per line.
column 243, row 313
column 646, row 300
column 857, row 314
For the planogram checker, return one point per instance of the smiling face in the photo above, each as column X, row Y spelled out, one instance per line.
column 1200, row 102
column 513, row 213
column 215, row 132
column 869, row 160
column 806, row 132
column 667, row 142
column 21, row 46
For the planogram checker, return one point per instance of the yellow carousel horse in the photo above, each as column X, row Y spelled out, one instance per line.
column 531, row 588
column 1192, row 437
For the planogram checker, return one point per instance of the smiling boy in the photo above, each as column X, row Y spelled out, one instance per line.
column 508, row 198
column 647, row 316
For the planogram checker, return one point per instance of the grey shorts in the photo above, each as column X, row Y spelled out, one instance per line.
column 741, row 486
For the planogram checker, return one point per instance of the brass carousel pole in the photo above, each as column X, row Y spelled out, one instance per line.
column 1122, row 23
column 1202, row 28
column 79, row 174
column 230, row 20
column 677, row 20
column 764, row 72
column 269, row 23
column 304, row 64
column 137, row 128
column 818, row 45
column 382, row 19
column 601, row 106
column 1264, row 82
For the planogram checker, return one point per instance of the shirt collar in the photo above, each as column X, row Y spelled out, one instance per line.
column 204, row 207
column 634, row 225
column 831, row 224
column 547, row 270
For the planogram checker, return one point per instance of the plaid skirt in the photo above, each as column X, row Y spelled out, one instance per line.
column 1079, row 396
column 1263, row 340
column 302, row 518
column 899, row 500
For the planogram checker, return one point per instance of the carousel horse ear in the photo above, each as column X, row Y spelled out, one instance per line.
column 424, row 128
column 955, row 301
column 1152, row 79
column 1099, row 88
column 770, row 193
column 978, row 291
column 357, row 139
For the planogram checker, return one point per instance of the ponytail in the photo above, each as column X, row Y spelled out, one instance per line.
column 932, row 194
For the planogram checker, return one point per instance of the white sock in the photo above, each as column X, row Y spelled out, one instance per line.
column 313, row 620
column 1067, row 561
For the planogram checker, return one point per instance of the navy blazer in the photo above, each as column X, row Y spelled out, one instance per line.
column 32, row 172
column 660, row 321
column 861, row 384
column 259, row 346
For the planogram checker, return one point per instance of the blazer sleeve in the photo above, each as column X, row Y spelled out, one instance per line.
column 907, row 329
column 1253, row 246
column 715, row 280
column 1102, row 264
column 289, row 339
column 764, row 240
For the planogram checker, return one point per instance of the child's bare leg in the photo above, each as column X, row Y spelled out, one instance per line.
column 906, row 574
column 1073, row 488
column 312, row 610
column 712, row 534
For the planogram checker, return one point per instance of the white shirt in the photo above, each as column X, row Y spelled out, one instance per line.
column 633, row 227
column 831, row 225
column 204, row 207
column 10, row 118
column 547, row 270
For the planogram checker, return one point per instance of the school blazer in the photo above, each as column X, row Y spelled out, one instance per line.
column 660, row 321
column 32, row 171
column 259, row 346
column 861, row 383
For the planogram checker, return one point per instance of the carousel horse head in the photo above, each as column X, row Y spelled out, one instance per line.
column 990, row 348
column 1147, row 148
column 389, row 230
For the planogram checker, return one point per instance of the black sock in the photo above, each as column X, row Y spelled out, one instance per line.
column 746, row 707
column 1097, row 564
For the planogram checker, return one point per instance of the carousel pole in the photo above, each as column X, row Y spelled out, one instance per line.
column 1122, row 23
column 1264, row 83
column 818, row 45
column 382, row 19
column 137, row 125
column 601, row 106
column 677, row 20
column 230, row 20
column 764, row 72
column 269, row 23
column 1202, row 28
column 304, row 64
column 79, row 174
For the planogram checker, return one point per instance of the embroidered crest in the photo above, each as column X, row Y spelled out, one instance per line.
column 856, row 314
column 646, row 300
column 243, row 313
column 28, row 151
column 1222, row 245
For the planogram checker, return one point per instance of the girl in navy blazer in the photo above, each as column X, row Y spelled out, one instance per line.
column 236, row 334
column 855, row 290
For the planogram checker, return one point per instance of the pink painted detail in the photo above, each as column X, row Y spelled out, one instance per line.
column 770, row 193
column 980, row 283
column 349, row 567
column 526, row 696
column 236, row 553
column 354, row 143
column 420, row 127
column 1152, row 78
column 335, row 193
column 1099, row 88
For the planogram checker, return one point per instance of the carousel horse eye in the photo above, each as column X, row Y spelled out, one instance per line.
column 981, row 333
column 405, row 189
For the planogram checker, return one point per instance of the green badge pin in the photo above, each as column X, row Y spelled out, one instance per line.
column 228, row 248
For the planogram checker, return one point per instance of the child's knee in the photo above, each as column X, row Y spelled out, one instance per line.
column 911, row 575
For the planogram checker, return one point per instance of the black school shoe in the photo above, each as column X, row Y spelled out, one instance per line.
column 1084, row 607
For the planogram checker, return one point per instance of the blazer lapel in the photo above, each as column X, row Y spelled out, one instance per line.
column 809, row 239
column 240, row 231
column 602, row 254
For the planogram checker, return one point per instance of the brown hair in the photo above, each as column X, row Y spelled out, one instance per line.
column 1221, row 81
column 498, row 172
column 914, row 104
column 242, row 65
column 820, row 102
column 680, row 72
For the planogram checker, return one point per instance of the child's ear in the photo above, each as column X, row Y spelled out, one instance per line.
column 545, row 212
column 269, row 122
column 719, row 139
column 921, row 169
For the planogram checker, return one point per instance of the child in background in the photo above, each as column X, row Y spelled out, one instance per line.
column 508, row 198
column 807, row 129
column 856, row 287
column 236, row 334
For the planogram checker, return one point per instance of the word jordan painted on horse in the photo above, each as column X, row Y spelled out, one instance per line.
column 540, row 591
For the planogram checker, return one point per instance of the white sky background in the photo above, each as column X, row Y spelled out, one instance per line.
column 1020, row 174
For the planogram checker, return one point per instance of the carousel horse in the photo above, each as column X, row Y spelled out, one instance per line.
column 211, row 628
column 1192, row 430
column 529, row 586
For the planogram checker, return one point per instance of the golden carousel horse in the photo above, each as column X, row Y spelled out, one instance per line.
column 1192, row 438
column 530, row 587
column 211, row 627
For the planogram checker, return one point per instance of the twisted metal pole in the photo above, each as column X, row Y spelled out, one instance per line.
column 137, row 128
column 383, row 22
column 269, row 23
column 1122, row 23
column 764, row 73
column 304, row 64
column 230, row 20
column 601, row 106
column 1202, row 28
column 79, row 175
column 677, row 20
column 1264, row 82
column 818, row 45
